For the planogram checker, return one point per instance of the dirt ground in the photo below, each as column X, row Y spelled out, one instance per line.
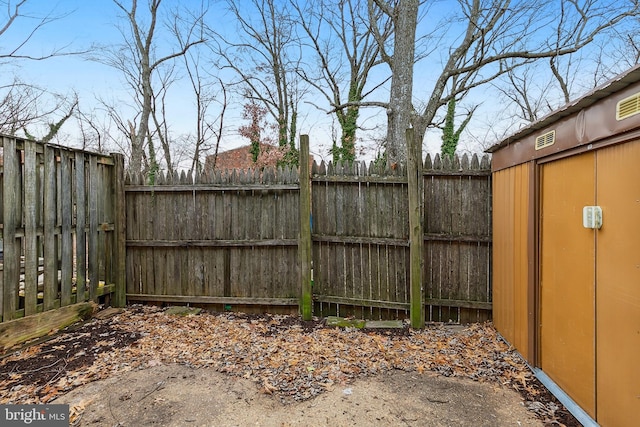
column 176, row 395
column 146, row 365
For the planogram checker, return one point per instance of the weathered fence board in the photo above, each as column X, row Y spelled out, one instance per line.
column 11, row 220
column 81, row 218
column 44, row 231
column 50, row 237
column 30, row 231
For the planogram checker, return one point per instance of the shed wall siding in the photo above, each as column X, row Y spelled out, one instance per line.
column 511, row 191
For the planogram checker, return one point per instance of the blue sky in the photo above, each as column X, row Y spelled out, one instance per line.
column 81, row 24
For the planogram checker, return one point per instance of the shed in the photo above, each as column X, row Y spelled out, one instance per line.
column 566, row 242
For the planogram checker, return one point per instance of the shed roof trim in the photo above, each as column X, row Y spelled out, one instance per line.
column 612, row 86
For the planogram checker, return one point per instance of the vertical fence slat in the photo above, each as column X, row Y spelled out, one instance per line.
column 66, row 240
column 30, row 236
column 12, row 200
column 50, row 235
column 92, row 235
column 154, row 219
column 103, row 191
column 81, row 218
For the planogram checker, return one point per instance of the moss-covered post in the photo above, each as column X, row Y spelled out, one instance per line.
column 416, row 240
column 304, row 242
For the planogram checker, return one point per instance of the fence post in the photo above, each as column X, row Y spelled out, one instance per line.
column 120, row 256
column 416, row 239
column 304, row 242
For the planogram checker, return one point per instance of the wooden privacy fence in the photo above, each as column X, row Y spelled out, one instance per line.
column 239, row 238
column 62, row 236
column 227, row 238
column 73, row 230
column 457, row 238
column 361, row 240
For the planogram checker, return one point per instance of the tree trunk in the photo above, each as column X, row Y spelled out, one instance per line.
column 400, row 106
column 137, row 150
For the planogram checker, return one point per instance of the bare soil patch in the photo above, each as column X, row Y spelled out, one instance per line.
column 176, row 395
column 146, row 367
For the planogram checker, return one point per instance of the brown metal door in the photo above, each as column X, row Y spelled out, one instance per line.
column 567, row 276
column 618, row 286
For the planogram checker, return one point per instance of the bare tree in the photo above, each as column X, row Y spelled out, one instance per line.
column 53, row 128
column 139, row 60
column 120, row 126
column 265, row 53
column 487, row 39
column 345, row 54
column 93, row 131
column 21, row 105
column 538, row 88
column 621, row 51
column 159, row 115
column 26, row 107
column 528, row 95
column 14, row 14
column 209, row 128
column 29, row 109
column 209, row 92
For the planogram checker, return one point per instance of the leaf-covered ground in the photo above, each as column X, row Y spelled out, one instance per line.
column 284, row 356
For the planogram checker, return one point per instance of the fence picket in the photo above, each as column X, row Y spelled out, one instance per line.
column 81, row 239
column 66, row 267
column 30, row 290
column 50, row 278
column 92, row 235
